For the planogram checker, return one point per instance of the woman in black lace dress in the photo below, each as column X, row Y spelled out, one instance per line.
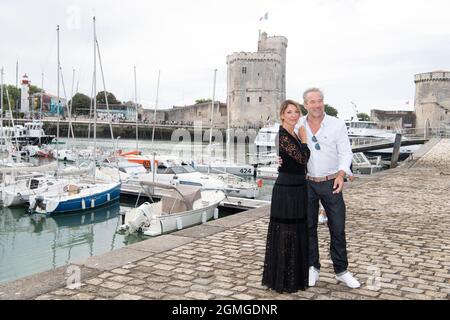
column 286, row 259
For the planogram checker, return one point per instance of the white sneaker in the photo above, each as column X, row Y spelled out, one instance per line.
column 349, row 280
column 313, row 276
column 322, row 218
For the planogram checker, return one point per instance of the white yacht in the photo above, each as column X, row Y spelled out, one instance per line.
column 367, row 129
column 358, row 131
column 31, row 133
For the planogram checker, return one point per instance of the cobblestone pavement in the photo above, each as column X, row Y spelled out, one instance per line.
column 398, row 239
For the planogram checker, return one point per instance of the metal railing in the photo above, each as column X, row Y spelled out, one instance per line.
column 407, row 134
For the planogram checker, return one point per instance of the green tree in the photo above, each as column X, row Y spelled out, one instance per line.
column 81, row 104
column 329, row 110
column 111, row 98
column 198, row 101
column 34, row 89
column 14, row 96
column 304, row 111
column 363, row 116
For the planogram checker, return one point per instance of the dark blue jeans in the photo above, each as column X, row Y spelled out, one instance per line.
column 335, row 208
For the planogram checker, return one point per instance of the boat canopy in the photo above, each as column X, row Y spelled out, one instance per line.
column 178, row 198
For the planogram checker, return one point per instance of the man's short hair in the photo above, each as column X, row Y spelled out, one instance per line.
column 307, row 91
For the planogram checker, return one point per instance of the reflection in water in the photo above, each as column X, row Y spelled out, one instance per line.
column 33, row 243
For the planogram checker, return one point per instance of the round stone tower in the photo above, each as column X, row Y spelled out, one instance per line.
column 432, row 99
column 257, row 83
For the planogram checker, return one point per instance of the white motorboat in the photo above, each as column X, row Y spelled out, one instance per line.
column 180, row 207
column 130, row 173
column 187, row 175
column 217, row 165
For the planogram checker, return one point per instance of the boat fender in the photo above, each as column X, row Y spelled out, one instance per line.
column 179, row 224
column 203, row 217
column 216, row 213
column 92, row 203
column 108, row 197
column 83, row 204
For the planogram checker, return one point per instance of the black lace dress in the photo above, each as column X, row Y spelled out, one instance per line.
column 286, row 259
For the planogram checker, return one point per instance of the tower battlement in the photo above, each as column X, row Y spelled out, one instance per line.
column 432, row 76
column 265, row 42
column 253, row 56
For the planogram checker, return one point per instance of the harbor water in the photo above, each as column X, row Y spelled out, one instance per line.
column 31, row 244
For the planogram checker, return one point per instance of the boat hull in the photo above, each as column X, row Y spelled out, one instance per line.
column 79, row 204
column 175, row 222
column 245, row 170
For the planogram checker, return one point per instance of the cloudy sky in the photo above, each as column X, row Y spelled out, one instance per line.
column 360, row 51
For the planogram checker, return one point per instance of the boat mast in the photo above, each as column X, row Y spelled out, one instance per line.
column 156, row 106
column 41, row 104
column 153, row 165
column 211, row 120
column 1, row 107
column 106, row 99
column 228, row 120
column 95, row 99
column 91, row 106
column 136, row 106
column 70, row 107
column 12, row 121
column 105, row 93
column 17, row 74
column 58, row 100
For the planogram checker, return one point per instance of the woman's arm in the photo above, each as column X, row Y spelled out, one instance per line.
column 300, row 153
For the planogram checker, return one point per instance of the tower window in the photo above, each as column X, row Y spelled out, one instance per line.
column 260, row 99
column 248, row 99
column 244, row 70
